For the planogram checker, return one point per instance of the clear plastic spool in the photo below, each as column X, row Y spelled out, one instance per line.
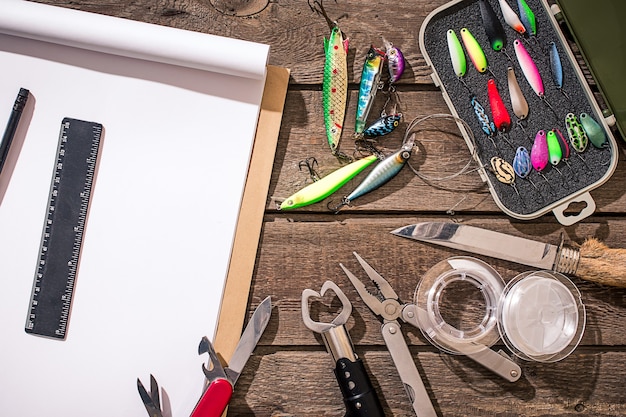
column 429, row 295
column 541, row 316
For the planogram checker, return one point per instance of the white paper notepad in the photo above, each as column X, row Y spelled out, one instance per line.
column 179, row 124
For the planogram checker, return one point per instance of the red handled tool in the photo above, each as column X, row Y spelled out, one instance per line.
column 220, row 380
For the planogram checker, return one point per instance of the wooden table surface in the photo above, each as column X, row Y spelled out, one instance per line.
column 290, row 373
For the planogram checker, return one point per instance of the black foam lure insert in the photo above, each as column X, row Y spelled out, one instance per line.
column 539, row 190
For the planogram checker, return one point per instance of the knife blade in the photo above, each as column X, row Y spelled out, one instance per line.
column 221, row 381
column 593, row 261
column 249, row 338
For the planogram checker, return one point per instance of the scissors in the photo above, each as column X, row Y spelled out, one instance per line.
column 358, row 392
column 220, row 381
column 390, row 309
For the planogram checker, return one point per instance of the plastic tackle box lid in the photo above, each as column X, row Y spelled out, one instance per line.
column 599, row 31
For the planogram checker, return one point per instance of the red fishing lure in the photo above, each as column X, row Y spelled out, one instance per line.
column 499, row 113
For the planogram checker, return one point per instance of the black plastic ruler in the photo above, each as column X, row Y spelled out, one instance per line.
column 64, row 226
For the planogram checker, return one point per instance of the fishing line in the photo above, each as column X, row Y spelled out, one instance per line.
column 466, row 168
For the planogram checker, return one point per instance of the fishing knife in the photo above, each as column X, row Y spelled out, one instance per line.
column 593, row 261
column 221, row 381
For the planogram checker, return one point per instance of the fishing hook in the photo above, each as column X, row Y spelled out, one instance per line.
column 310, row 163
column 318, row 8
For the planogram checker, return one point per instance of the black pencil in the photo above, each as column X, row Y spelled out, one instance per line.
column 14, row 119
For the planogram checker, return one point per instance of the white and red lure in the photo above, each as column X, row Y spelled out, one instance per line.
column 511, row 18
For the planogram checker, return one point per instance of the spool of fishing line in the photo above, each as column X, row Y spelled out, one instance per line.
column 541, row 316
column 432, row 293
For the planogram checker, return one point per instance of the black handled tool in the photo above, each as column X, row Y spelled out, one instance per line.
column 358, row 392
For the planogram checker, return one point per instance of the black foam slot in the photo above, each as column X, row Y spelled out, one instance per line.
column 556, row 183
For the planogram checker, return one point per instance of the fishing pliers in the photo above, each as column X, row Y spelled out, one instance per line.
column 388, row 306
column 358, row 392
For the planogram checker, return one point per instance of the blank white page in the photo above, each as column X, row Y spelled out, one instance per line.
column 164, row 207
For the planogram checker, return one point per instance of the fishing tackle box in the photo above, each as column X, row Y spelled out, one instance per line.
column 556, row 188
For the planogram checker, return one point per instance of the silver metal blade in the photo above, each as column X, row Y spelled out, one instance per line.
column 249, row 339
column 483, row 242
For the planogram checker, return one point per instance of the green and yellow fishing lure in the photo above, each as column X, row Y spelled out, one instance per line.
column 319, row 190
column 335, row 86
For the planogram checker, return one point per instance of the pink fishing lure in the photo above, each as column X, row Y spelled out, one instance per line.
column 528, row 68
column 539, row 155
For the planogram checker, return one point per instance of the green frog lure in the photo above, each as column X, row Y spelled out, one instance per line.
column 335, row 83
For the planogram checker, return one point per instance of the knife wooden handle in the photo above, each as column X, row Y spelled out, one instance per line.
column 601, row 264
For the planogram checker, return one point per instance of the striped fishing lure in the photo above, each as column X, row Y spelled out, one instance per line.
column 382, row 173
column 503, row 171
column 370, row 80
column 485, row 124
column 383, row 125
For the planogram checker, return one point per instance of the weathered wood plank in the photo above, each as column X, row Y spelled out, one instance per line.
column 441, row 151
column 286, row 383
column 290, row 373
column 305, row 252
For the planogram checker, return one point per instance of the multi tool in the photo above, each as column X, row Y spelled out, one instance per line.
column 390, row 309
column 220, row 381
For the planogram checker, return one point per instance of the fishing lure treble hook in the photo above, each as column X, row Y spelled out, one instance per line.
column 310, row 163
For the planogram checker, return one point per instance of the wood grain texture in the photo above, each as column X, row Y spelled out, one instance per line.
column 456, row 386
column 290, row 373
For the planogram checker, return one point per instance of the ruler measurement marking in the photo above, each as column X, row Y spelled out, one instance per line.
column 63, row 230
